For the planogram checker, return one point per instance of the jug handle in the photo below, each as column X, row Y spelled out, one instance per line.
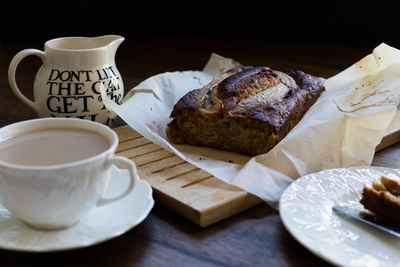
column 11, row 74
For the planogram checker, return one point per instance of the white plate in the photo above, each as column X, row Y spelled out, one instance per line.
column 306, row 211
column 99, row 225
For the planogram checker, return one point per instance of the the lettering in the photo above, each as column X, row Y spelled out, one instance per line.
column 69, row 76
column 63, row 104
column 58, row 88
column 76, row 93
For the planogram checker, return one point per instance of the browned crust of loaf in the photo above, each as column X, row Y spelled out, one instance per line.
column 382, row 203
column 294, row 106
column 191, row 99
column 188, row 101
column 276, row 114
column 271, row 122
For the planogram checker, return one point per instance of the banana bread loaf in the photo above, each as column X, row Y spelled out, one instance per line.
column 246, row 109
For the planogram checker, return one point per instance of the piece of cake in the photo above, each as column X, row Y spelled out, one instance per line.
column 383, row 199
column 246, row 109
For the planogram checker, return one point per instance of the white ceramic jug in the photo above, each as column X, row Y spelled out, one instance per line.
column 68, row 83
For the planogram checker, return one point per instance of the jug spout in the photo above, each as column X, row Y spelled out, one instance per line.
column 115, row 41
column 111, row 43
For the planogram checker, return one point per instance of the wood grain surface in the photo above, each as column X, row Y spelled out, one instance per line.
column 254, row 237
column 181, row 186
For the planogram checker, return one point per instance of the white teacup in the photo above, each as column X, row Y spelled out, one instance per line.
column 58, row 195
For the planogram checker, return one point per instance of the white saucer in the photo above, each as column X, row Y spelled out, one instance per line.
column 99, row 225
column 305, row 208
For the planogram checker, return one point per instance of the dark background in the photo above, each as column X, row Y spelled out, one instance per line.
column 165, row 36
column 323, row 22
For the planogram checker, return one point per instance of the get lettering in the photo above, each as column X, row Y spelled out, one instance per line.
column 63, row 104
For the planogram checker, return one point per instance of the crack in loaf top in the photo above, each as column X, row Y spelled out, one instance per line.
column 253, row 87
column 252, row 92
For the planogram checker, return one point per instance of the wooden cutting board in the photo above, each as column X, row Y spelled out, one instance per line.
column 190, row 191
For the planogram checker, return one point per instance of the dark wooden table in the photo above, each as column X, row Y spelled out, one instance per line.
column 253, row 237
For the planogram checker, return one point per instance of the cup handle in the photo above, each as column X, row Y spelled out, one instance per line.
column 131, row 167
column 12, row 70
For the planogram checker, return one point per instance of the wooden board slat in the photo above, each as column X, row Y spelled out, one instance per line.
column 190, row 191
column 179, row 185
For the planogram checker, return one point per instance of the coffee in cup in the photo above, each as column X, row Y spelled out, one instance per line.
column 51, row 146
column 53, row 171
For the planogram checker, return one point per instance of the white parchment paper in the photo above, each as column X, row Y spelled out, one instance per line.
column 341, row 129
